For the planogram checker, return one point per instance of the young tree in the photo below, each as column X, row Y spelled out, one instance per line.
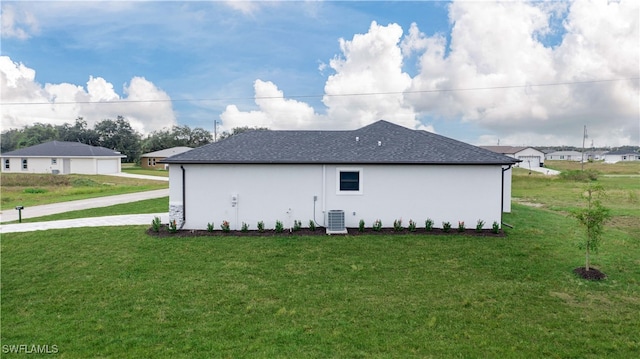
column 592, row 218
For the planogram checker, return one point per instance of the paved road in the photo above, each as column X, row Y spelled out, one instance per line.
column 47, row 209
column 124, row 220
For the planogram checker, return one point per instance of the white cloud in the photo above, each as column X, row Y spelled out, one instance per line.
column 370, row 67
column 497, row 49
column 16, row 23
column 25, row 101
column 496, row 44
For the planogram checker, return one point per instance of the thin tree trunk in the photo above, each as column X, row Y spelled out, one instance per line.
column 587, row 259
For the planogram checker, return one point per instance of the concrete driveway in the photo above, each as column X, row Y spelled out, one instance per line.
column 106, row 221
column 47, row 209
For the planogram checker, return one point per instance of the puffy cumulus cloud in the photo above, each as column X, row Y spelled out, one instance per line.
column 367, row 86
column 17, row 23
column 25, row 101
column 275, row 112
column 501, row 73
column 498, row 45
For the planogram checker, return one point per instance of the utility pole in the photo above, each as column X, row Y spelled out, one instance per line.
column 584, row 137
column 215, row 130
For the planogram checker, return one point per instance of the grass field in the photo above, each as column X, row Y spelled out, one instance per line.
column 116, row 292
column 131, row 168
column 156, row 205
column 632, row 167
column 36, row 189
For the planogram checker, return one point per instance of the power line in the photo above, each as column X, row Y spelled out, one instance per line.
column 122, row 101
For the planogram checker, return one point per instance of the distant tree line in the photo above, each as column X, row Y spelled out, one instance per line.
column 115, row 134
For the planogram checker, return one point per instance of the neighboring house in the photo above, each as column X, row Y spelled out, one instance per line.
column 565, row 156
column 621, row 155
column 529, row 156
column 594, row 155
column 60, row 157
column 381, row 171
column 152, row 159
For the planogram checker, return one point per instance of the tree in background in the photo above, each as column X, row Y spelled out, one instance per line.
column 79, row 132
column 239, row 130
column 177, row 136
column 120, row 136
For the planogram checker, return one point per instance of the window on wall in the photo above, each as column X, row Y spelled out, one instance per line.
column 25, row 164
column 153, row 161
column 54, row 161
column 7, row 164
column 349, row 181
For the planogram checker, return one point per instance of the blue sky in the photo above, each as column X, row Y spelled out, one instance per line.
column 200, row 61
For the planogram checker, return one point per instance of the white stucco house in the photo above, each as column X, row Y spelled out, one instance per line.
column 621, row 155
column 60, row 157
column 380, row 171
column 565, row 156
column 530, row 157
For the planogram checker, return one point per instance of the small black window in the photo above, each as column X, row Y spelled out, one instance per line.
column 350, row 181
column 54, row 161
column 7, row 164
column 25, row 164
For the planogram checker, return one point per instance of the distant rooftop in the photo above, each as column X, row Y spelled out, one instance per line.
column 63, row 149
column 168, row 152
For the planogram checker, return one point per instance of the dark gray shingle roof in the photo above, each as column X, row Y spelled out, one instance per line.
column 63, row 149
column 379, row 143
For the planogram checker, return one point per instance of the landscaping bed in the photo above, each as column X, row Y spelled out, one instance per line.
column 319, row 231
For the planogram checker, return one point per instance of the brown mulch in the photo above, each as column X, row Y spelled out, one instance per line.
column 319, row 231
column 591, row 274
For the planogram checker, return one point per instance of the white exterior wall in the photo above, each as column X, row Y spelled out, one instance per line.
column 530, row 156
column 286, row 193
column 89, row 166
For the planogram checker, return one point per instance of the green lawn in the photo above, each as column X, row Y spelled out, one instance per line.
column 130, row 168
column 628, row 168
column 116, row 292
column 155, row 205
column 36, row 189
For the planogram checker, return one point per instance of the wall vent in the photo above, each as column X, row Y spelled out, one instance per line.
column 336, row 222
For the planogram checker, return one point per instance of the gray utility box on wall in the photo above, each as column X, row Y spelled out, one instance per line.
column 335, row 222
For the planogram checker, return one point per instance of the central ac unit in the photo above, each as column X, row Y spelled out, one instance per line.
column 335, row 223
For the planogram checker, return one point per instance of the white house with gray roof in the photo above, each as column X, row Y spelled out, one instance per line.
column 621, row 155
column 530, row 157
column 380, row 171
column 60, row 157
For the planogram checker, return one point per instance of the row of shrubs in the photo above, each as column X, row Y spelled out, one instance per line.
column 428, row 226
column 297, row 225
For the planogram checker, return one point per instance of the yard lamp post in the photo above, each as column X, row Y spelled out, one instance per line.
column 19, row 208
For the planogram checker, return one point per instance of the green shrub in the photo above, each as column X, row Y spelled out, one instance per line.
column 297, row 225
column 580, row 176
column 377, row 225
column 260, row 226
column 461, row 226
column 495, row 227
column 225, row 226
column 397, row 225
column 479, row 225
column 428, row 224
column 173, row 226
column 34, row 190
column 279, row 227
column 155, row 224
column 412, row 226
column 210, row 227
column 312, row 225
column 446, row 226
column 244, row 227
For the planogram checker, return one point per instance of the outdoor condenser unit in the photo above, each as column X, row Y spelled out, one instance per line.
column 335, row 223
